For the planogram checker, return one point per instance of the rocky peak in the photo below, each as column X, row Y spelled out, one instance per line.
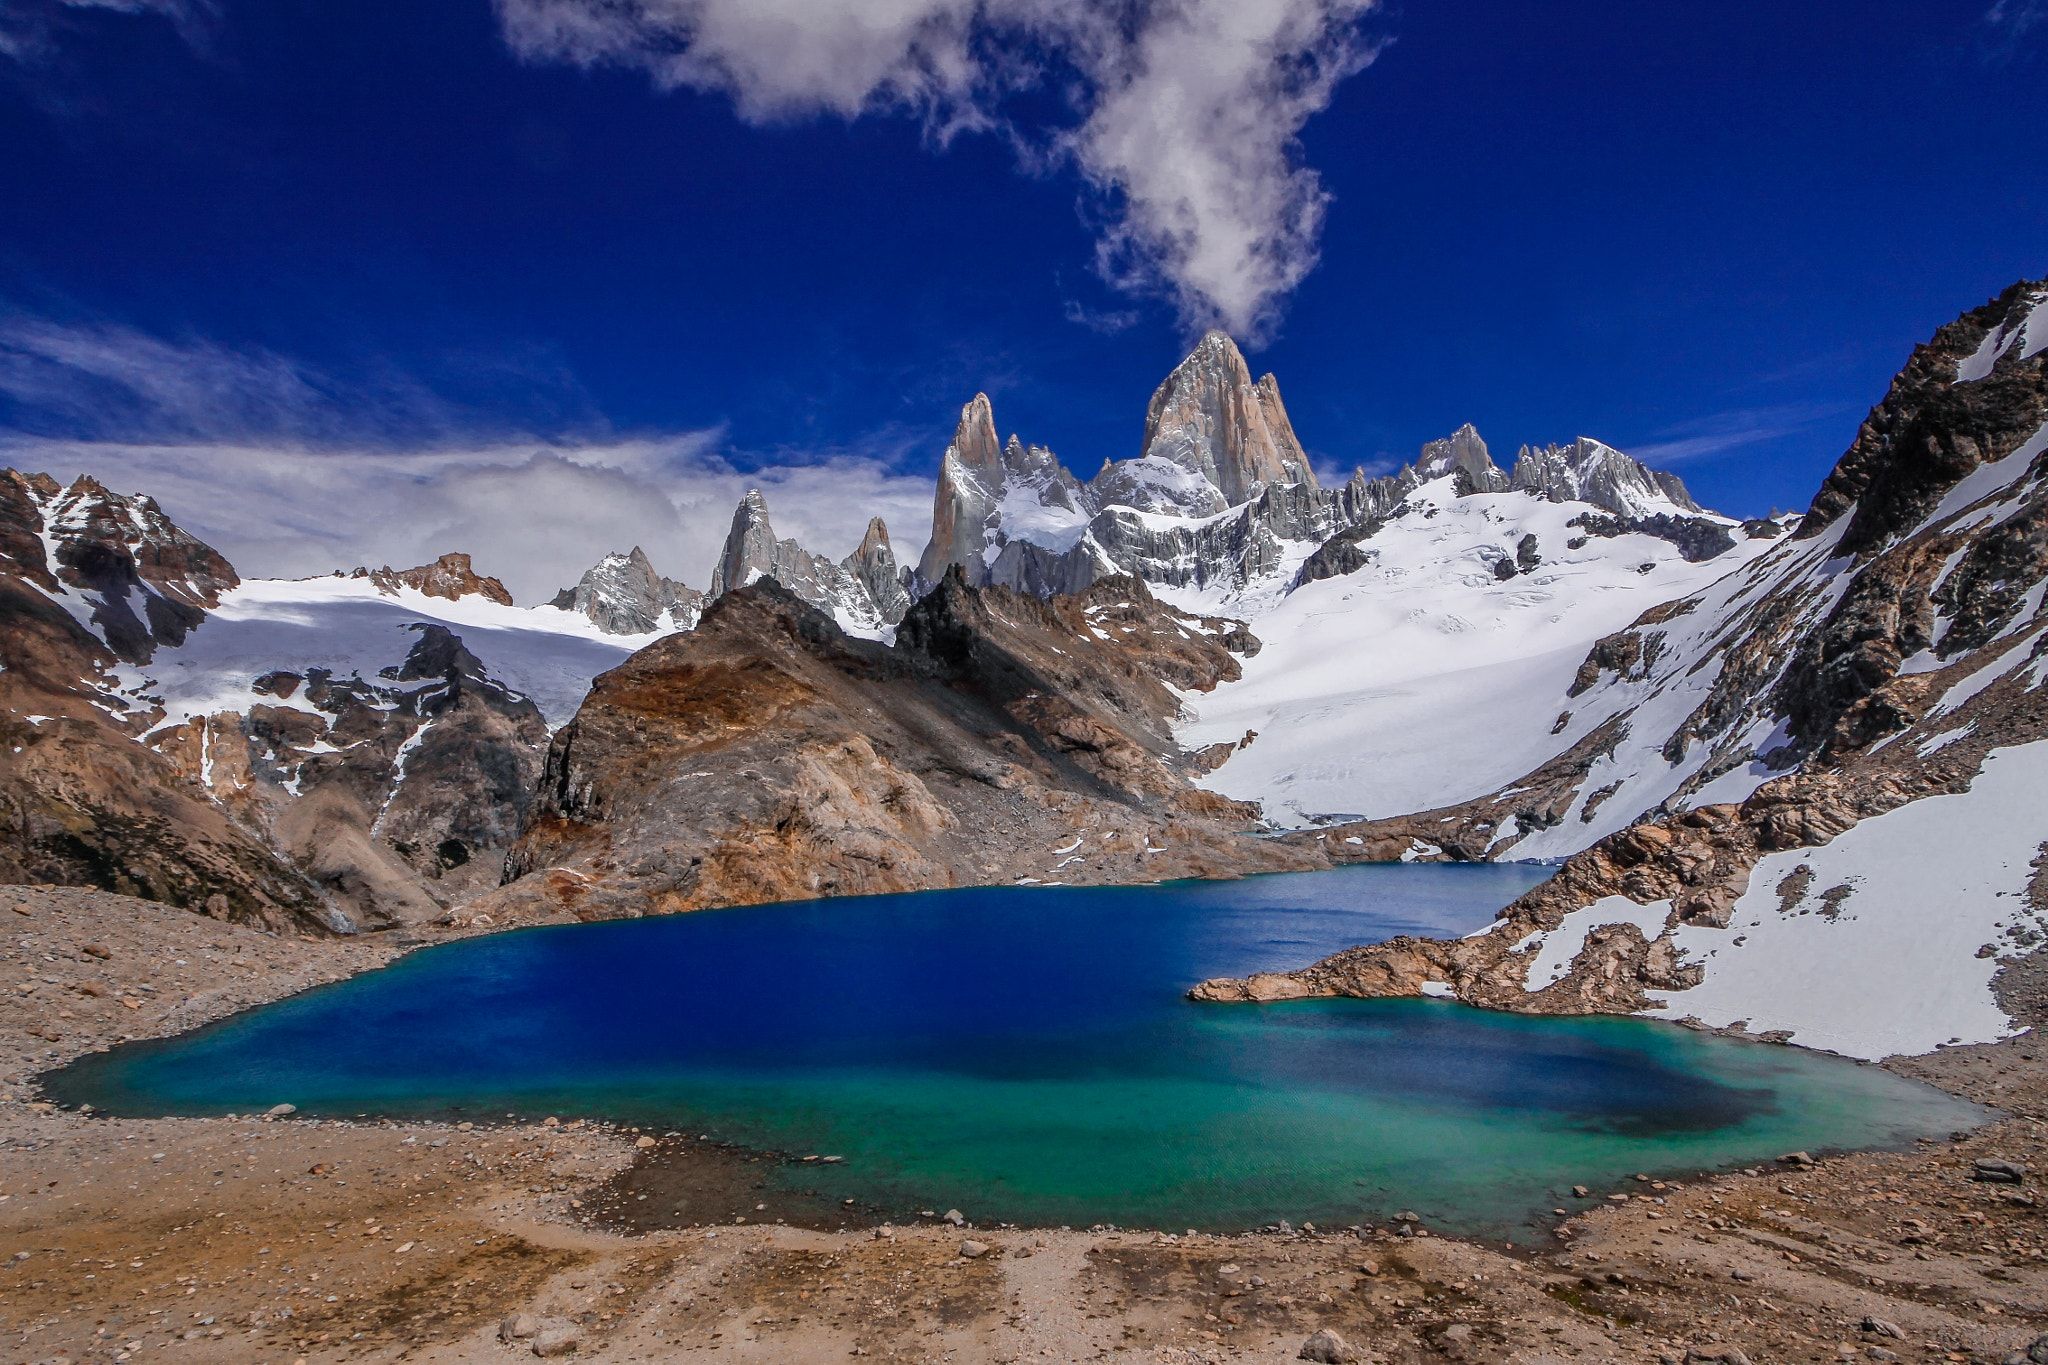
column 1463, row 451
column 623, row 595
column 874, row 565
column 1592, row 471
column 1209, row 418
column 116, row 563
column 975, row 443
column 750, row 547
column 752, row 553
column 451, row 577
column 1969, row 396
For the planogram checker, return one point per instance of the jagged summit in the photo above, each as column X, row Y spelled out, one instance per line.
column 1463, row 450
column 864, row 593
column 623, row 595
column 1593, row 471
column 1222, row 496
column 1210, row 418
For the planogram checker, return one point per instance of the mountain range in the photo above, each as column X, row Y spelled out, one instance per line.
column 1759, row 746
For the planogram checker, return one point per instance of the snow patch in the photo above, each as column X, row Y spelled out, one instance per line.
column 1891, row 964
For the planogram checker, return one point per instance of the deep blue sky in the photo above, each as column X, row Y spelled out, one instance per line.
column 1644, row 222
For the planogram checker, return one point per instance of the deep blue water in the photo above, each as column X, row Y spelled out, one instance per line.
column 1028, row 1055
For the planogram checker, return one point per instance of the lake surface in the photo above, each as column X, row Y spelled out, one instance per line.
column 1026, row 1055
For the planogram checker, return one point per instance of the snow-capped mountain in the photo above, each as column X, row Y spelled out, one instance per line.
column 1221, row 507
column 1805, row 797
column 621, row 594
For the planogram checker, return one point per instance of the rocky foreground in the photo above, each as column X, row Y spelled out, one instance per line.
column 271, row 1239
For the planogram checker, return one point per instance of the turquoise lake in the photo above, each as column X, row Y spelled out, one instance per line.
column 1026, row 1056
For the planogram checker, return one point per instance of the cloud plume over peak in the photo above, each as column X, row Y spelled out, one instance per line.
column 1185, row 113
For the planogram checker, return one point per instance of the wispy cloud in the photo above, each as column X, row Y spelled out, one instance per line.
column 1725, row 433
column 1104, row 321
column 1185, row 114
column 31, row 30
column 2010, row 23
column 290, row 470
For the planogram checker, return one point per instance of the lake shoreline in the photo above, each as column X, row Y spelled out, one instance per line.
column 525, row 1189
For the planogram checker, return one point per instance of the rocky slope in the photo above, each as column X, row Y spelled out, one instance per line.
column 326, row 755
column 768, row 754
column 1843, row 746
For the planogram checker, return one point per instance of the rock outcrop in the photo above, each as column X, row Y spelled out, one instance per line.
column 769, row 755
column 451, row 577
column 623, row 595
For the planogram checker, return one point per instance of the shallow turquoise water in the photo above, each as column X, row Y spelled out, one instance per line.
column 1027, row 1056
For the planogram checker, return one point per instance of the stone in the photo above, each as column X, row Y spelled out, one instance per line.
column 1997, row 1171
column 1327, row 1346
column 956, row 1218
column 973, row 1250
column 1883, row 1328
column 519, row 1327
column 643, row 1142
column 557, row 1339
column 279, row 1111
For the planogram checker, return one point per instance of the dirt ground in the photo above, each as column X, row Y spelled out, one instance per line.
column 259, row 1239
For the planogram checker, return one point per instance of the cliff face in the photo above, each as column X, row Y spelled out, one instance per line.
column 1867, row 702
column 768, row 755
column 1209, row 418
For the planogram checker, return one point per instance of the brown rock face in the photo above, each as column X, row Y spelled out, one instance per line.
column 451, row 576
column 769, row 756
column 1211, row 419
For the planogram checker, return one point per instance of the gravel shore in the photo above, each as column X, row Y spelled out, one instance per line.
column 281, row 1239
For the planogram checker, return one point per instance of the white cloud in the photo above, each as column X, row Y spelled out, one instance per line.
column 536, row 516
column 290, row 471
column 1187, row 112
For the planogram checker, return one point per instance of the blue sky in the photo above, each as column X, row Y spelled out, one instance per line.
column 573, row 286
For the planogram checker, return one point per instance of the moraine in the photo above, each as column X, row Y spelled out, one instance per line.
column 1027, row 1056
